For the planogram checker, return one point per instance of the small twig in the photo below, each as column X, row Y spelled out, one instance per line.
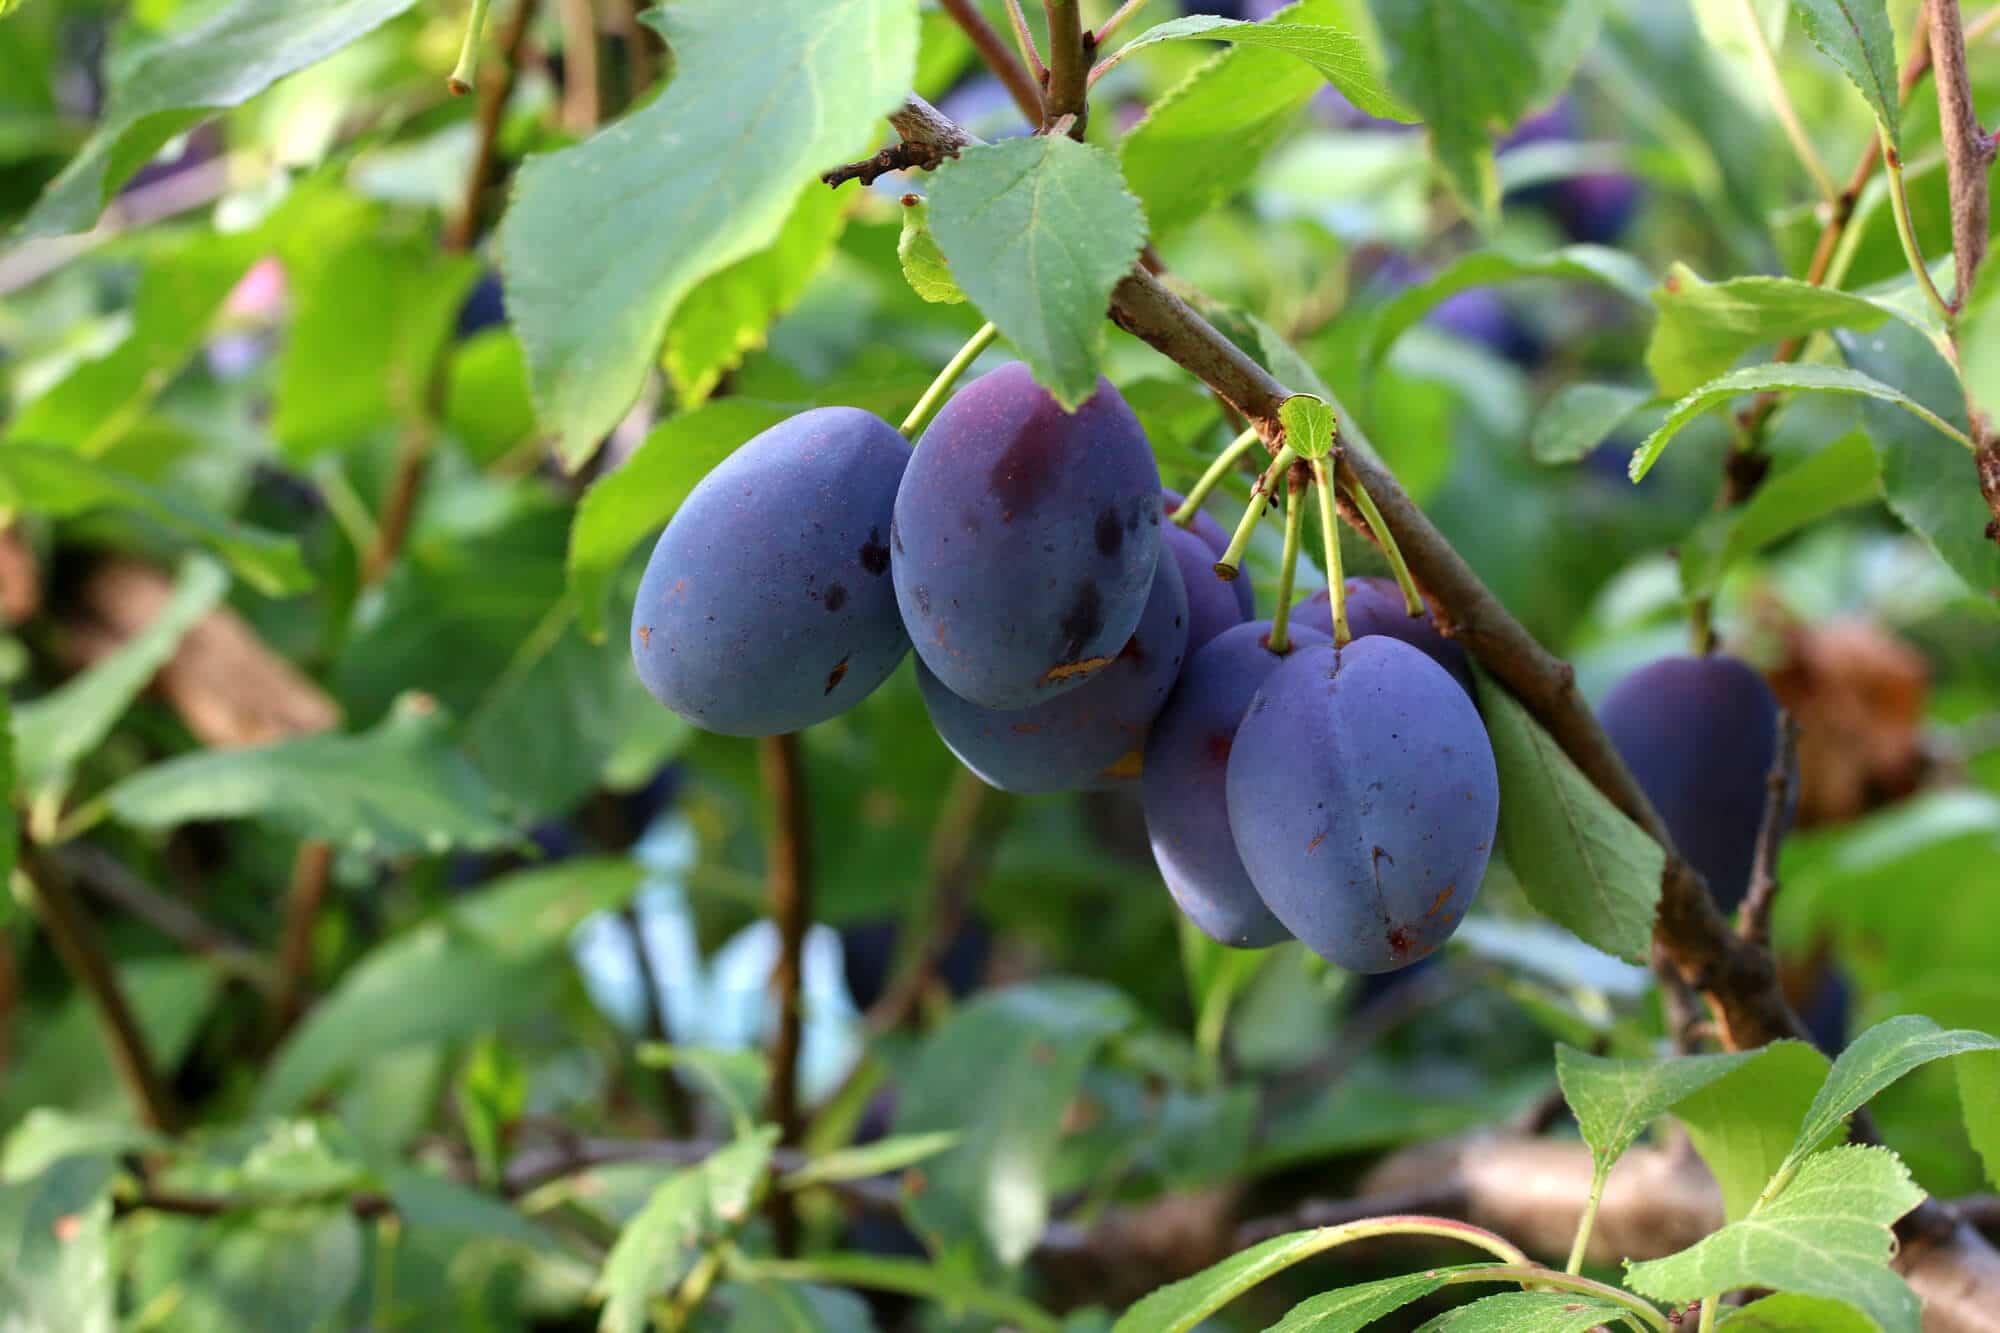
column 973, row 817
column 311, row 870
column 104, row 876
column 1766, row 61
column 1968, row 149
column 789, row 871
column 674, row 1101
column 642, row 65
column 904, row 156
column 992, row 47
column 1754, row 923
column 1024, row 38
column 364, row 1204
column 495, row 91
column 1070, row 53
column 582, row 101
column 1122, row 15
column 1906, row 232
column 75, row 938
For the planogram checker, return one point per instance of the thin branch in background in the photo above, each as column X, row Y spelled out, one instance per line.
column 642, row 63
column 75, row 938
column 10, row 1001
column 1968, row 148
column 1680, row 1005
column 1024, row 38
column 992, row 47
column 104, row 876
column 674, row 1102
column 1119, row 18
column 789, row 869
column 582, row 99
column 1906, row 232
column 1754, row 924
column 312, row 869
column 495, row 91
column 973, row 818
column 1766, row 61
column 1070, row 53
column 365, row 1204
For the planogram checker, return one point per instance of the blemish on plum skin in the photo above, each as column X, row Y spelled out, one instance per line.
column 1110, row 532
column 836, row 596
column 1083, row 667
column 646, row 636
column 834, row 677
column 1128, row 765
column 1401, row 940
column 874, row 555
column 1313, row 846
column 1443, row 897
column 1219, row 746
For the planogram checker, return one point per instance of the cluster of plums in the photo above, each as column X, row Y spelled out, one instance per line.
column 1068, row 637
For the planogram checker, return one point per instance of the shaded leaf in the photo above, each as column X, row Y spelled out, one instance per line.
column 55, row 1250
column 924, row 266
column 53, row 732
column 1001, row 1073
column 397, row 789
column 1777, row 377
column 639, row 498
column 1615, row 1100
column 1582, row 863
column 1703, row 327
column 880, row 1158
column 1844, row 473
column 63, row 484
column 1789, row 1312
column 1529, row 1312
column 1579, row 418
column 1352, row 1309
column 693, row 1205
column 604, row 241
column 1584, row 263
column 1309, row 425
column 1038, row 230
column 221, row 57
column 1339, row 56
column 504, row 951
column 1880, row 1056
column 1743, row 1124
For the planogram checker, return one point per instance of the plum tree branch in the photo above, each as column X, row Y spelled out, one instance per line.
column 992, row 48
column 789, row 870
column 1070, row 52
column 1968, row 148
column 105, row 877
column 1754, row 922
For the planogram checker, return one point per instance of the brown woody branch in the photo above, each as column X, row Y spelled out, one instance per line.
column 1968, row 148
column 1754, row 922
column 1070, row 51
column 789, row 870
column 992, row 48
column 904, row 156
column 105, row 877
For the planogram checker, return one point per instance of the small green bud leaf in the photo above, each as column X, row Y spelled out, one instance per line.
column 924, row 265
column 1309, row 425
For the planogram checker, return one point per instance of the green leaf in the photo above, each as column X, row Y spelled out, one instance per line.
column 182, row 284
column 1929, row 484
column 370, row 320
column 1579, row 418
column 398, row 789
column 1855, row 34
column 1038, row 230
column 1743, row 1124
column 487, row 407
column 690, row 1208
column 728, row 314
column 1880, row 1056
column 1340, row 57
column 605, row 240
column 1779, row 378
column 1979, row 1095
column 1705, row 326
column 1309, row 425
column 924, row 266
column 169, row 995
column 504, row 952
column 221, row 57
column 1615, row 1100
column 949, row 1287
column 46, row 1136
column 1789, row 1312
column 1352, row 1309
column 644, row 492
column 435, row 1204
column 1584, row 263
column 1582, row 863
column 1979, row 340
column 1472, row 67
column 1826, row 1234
column 793, row 1307
column 1201, row 143
column 55, row 1249
column 291, row 1268
column 1001, row 1074
column 880, row 1158
column 59, row 483
column 53, row 732
column 1844, row 473
column 1529, row 1312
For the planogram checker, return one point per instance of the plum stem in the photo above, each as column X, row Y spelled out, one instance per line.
column 466, row 72
column 1329, row 532
column 1224, row 463
column 1413, row 600
column 1260, row 496
column 1288, row 564
column 941, row 386
column 1906, row 232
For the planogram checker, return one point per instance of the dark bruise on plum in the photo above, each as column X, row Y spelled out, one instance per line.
column 1216, row 539
column 1376, row 606
column 767, row 605
column 1184, row 786
column 1091, row 736
column 1700, row 733
column 1212, row 607
column 1025, row 539
column 1364, row 799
